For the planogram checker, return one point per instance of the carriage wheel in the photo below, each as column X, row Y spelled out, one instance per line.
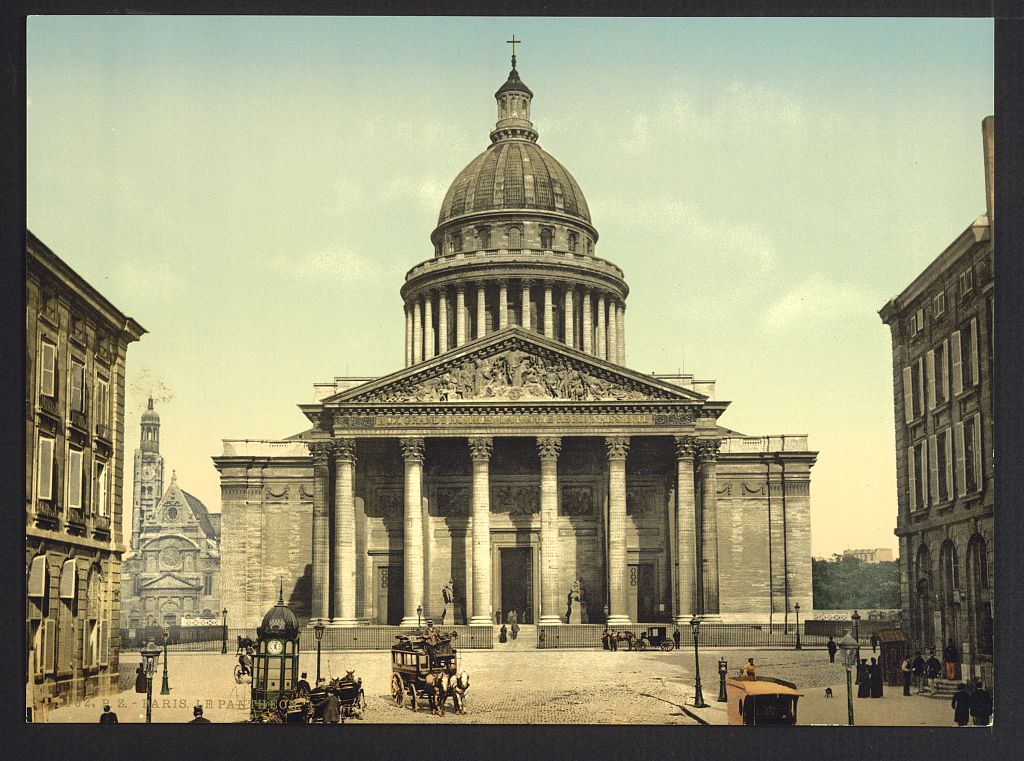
column 397, row 690
column 640, row 644
column 414, row 699
column 668, row 645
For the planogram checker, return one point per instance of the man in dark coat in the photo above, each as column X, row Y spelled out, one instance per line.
column 108, row 716
column 513, row 623
column 917, row 668
column 832, row 647
column 604, row 640
column 906, row 668
column 981, row 706
column 332, row 712
column 875, row 678
column 198, row 717
column 302, row 686
column 933, row 667
column 140, row 679
column 863, row 680
column 961, row 705
column 874, row 642
column 503, row 634
column 950, row 659
column 675, row 637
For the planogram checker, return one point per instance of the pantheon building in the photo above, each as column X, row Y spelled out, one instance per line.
column 516, row 455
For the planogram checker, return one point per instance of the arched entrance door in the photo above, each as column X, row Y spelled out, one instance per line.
column 949, row 568
column 924, row 618
column 979, row 596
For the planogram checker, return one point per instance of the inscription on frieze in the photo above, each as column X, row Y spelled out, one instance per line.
column 441, row 420
column 577, row 500
column 515, row 500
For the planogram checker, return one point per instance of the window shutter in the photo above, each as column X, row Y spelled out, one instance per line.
column 930, row 366
column 961, row 474
column 74, row 478
column 47, row 374
column 920, row 383
column 908, row 396
column 945, row 370
column 974, row 351
column 933, row 470
column 924, row 474
column 37, row 577
column 958, row 378
column 949, row 464
column 49, row 644
column 976, row 422
column 911, row 478
column 44, row 472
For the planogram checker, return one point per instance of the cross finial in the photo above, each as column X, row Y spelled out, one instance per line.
column 513, row 42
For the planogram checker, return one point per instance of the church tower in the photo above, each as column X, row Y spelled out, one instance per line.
column 148, row 480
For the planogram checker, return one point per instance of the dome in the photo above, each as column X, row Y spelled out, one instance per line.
column 150, row 415
column 279, row 621
column 514, row 174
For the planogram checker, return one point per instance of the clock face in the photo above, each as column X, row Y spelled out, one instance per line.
column 148, row 471
column 275, row 647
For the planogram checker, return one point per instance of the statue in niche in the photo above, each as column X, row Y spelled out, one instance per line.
column 448, row 598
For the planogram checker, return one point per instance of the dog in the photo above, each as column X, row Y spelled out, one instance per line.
column 828, row 692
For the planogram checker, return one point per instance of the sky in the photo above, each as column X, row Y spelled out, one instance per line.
column 253, row 190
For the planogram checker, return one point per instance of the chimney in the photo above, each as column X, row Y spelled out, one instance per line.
column 988, row 140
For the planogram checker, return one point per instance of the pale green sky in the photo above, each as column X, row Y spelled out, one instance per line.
column 253, row 190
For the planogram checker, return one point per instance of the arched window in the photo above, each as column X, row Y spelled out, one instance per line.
column 924, row 623
column 979, row 595
column 949, row 576
column 574, row 241
column 590, row 246
column 545, row 238
column 437, row 249
column 484, row 236
column 515, row 237
column 456, row 242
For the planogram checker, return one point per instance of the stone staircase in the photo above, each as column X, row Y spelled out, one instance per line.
column 942, row 689
column 527, row 639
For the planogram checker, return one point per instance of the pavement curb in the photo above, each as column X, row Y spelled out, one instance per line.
column 695, row 717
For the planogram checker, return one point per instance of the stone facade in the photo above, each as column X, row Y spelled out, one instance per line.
column 76, row 344
column 516, row 456
column 942, row 339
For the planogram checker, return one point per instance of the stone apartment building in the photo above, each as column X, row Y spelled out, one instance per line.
column 942, row 327
column 76, row 342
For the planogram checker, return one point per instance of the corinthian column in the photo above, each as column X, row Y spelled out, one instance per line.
column 549, row 311
column 344, row 451
column 570, row 319
column 460, row 314
column 442, row 321
column 502, row 304
column 618, row 447
column 417, row 332
column 320, row 564
column 412, row 543
column 428, row 325
column 480, row 452
column 524, row 306
column 481, row 309
column 551, row 599
column 622, row 332
column 602, row 345
column 686, row 531
column 588, row 322
column 613, row 331
column 709, row 521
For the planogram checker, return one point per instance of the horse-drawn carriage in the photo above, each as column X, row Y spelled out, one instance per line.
column 425, row 666
column 246, row 651
column 654, row 636
column 310, row 708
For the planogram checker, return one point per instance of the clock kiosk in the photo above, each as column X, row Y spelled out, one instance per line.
column 276, row 664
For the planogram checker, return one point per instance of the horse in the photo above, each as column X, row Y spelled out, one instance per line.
column 458, row 685
column 626, row 636
column 436, row 684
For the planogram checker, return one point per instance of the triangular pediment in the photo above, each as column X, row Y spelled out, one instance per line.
column 169, row 581
column 514, row 365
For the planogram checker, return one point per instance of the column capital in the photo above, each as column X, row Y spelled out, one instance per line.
column 548, row 447
column 412, row 450
column 686, row 447
column 480, row 448
column 708, row 449
column 320, row 451
column 460, row 287
column 344, row 450
column 618, row 447
column 500, row 281
column 526, row 282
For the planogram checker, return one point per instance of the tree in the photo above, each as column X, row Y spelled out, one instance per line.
column 849, row 582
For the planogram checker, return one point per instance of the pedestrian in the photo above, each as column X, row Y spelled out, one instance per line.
column 933, row 668
column 613, row 640
column 749, row 670
column 863, row 679
column 604, row 640
column 981, row 706
column 874, row 642
column 197, row 716
column 140, row 679
column 503, row 634
column 497, row 616
column 905, row 672
column 332, row 712
column 961, row 705
column 950, row 658
column 832, row 647
column 513, row 623
column 302, row 686
column 875, row 678
column 108, row 716
column 917, row 668
column 675, row 637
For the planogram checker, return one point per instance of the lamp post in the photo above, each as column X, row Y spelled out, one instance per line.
column 318, row 630
column 165, row 688
column 224, row 632
column 856, row 635
column 797, row 609
column 419, row 616
column 150, row 655
column 723, row 668
column 698, row 694
column 850, row 651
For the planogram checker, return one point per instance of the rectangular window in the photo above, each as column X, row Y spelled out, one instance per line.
column 913, row 325
column 972, row 454
column 49, row 645
column 44, row 469
column 918, row 475
column 102, row 401
column 917, row 381
column 908, row 395
column 930, row 367
column 47, row 369
column 75, row 478
column 966, row 281
column 943, row 466
column 933, row 473
column 102, row 506
column 207, row 584
column 958, row 364
column 77, row 386
column 973, row 354
column 942, row 372
column 939, row 304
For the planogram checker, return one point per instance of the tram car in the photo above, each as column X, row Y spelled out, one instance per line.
column 424, row 668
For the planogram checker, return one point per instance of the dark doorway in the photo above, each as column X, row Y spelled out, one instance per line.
column 389, row 595
column 517, row 583
column 642, row 593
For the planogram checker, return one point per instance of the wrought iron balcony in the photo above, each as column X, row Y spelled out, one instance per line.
column 48, row 406
column 80, row 420
column 101, row 524
column 76, row 518
column 47, row 512
column 103, row 432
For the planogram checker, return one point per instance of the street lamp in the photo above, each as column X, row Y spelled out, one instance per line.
column 850, row 649
column 698, row 694
column 224, row 632
column 150, row 655
column 723, row 668
column 797, row 609
column 856, row 635
column 165, row 688
column 419, row 616
column 318, row 630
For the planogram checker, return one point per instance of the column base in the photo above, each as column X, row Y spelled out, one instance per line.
column 481, row 621
column 344, row 622
column 413, row 621
column 682, row 618
column 619, row 620
column 550, row 620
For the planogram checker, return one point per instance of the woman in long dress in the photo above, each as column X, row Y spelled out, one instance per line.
column 863, row 680
column 875, row 677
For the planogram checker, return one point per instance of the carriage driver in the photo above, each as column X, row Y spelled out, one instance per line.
column 245, row 659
